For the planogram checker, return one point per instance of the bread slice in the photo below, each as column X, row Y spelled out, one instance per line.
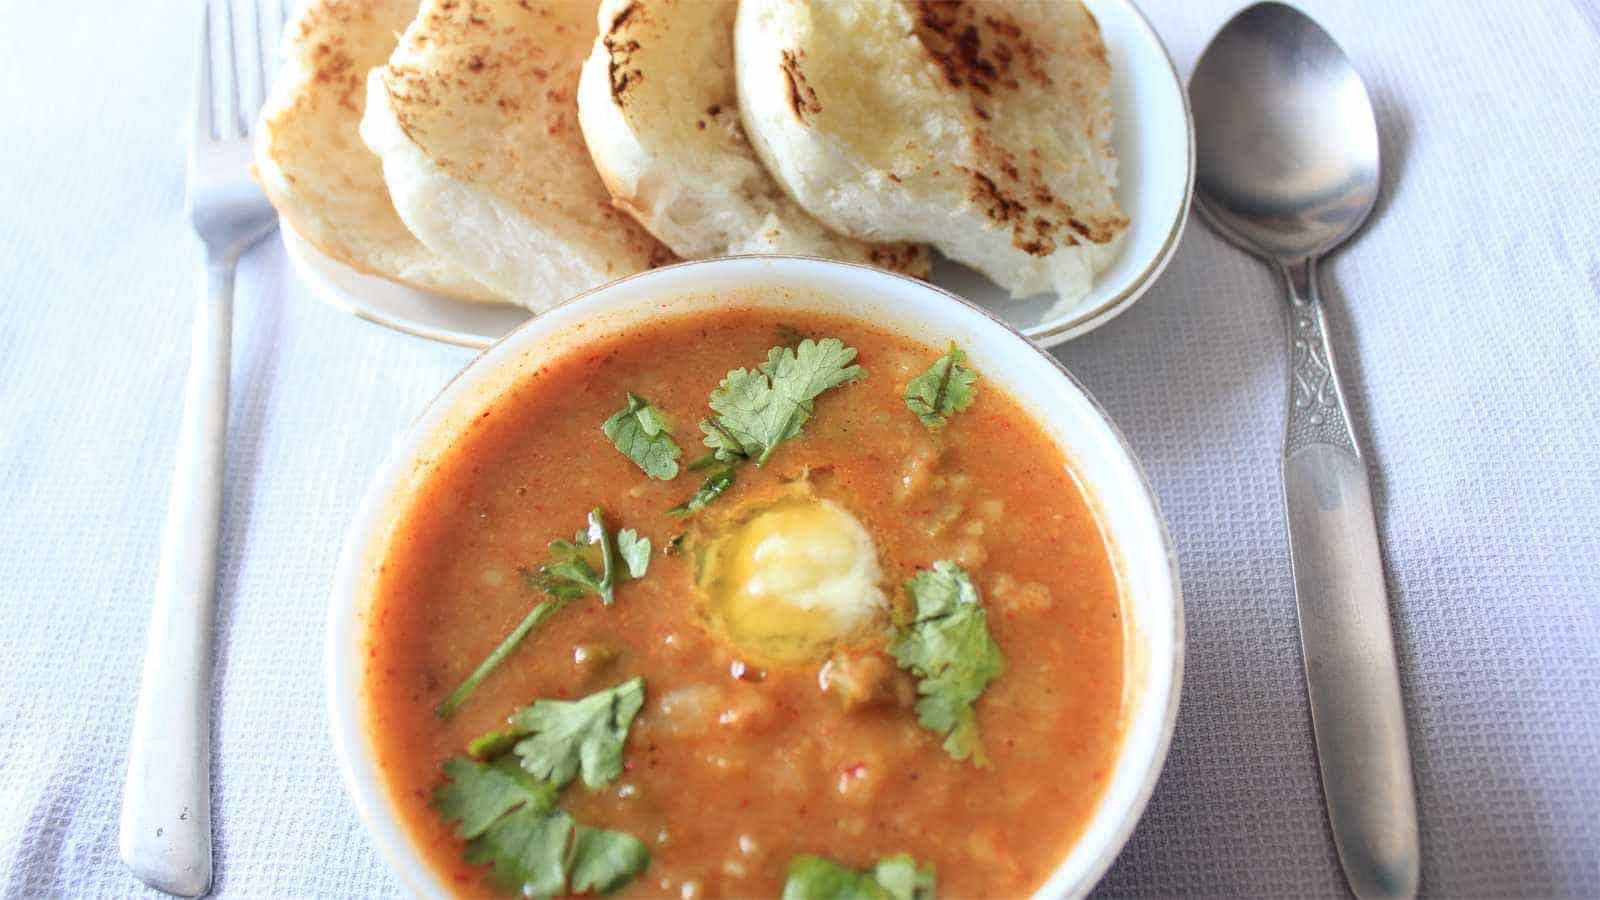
column 660, row 114
column 310, row 161
column 983, row 128
column 475, row 117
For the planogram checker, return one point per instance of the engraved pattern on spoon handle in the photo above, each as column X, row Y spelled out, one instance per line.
column 1316, row 403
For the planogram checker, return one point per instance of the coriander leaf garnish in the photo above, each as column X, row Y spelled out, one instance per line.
column 563, row 737
column 720, row 479
column 946, row 388
column 603, row 861
column 948, row 646
column 527, row 850
column 511, row 823
column 642, row 433
column 497, row 656
column 758, row 410
column 635, row 552
column 724, row 444
column 477, row 794
column 570, row 574
column 893, row 878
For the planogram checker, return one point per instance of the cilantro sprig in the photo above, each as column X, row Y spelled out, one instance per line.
column 479, row 794
column 560, row 738
column 571, row 572
column 635, row 552
column 528, row 851
column 948, row 387
column 498, row 655
column 949, row 648
column 569, row 575
column 556, row 738
column 719, row 480
column 535, row 849
column 643, row 434
column 758, row 410
column 893, row 878
column 506, row 809
column 603, row 861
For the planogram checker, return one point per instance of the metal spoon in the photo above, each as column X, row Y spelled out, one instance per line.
column 1288, row 169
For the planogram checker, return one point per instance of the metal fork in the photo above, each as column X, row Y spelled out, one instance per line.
column 165, row 834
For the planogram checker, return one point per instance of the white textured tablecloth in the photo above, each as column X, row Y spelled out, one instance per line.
column 1467, row 319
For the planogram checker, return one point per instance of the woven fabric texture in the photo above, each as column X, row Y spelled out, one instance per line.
column 1467, row 319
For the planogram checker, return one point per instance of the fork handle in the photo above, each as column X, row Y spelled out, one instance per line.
column 165, row 834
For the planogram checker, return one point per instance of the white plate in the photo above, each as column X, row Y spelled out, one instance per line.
column 1154, row 137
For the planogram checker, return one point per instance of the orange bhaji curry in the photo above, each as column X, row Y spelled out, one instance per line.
column 735, row 605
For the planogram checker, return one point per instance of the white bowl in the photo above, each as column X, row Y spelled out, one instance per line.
column 1145, row 563
column 1154, row 138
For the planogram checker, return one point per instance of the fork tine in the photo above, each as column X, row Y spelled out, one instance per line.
column 265, row 42
column 270, row 23
column 203, row 122
column 252, row 71
column 232, row 111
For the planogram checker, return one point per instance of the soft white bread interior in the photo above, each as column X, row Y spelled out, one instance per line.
column 475, row 117
column 983, row 128
column 311, row 163
column 659, row 109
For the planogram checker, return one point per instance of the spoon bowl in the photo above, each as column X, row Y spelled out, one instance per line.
column 1286, row 142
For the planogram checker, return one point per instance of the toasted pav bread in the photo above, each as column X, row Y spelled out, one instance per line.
column 660, row 114
column 983, row 128
column 311, row 162
column 475, row 117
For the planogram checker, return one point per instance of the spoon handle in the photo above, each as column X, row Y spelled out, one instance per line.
column 1351, row 674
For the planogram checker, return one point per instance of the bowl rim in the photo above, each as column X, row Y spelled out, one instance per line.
column 364, row 787
column 1090, row 319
